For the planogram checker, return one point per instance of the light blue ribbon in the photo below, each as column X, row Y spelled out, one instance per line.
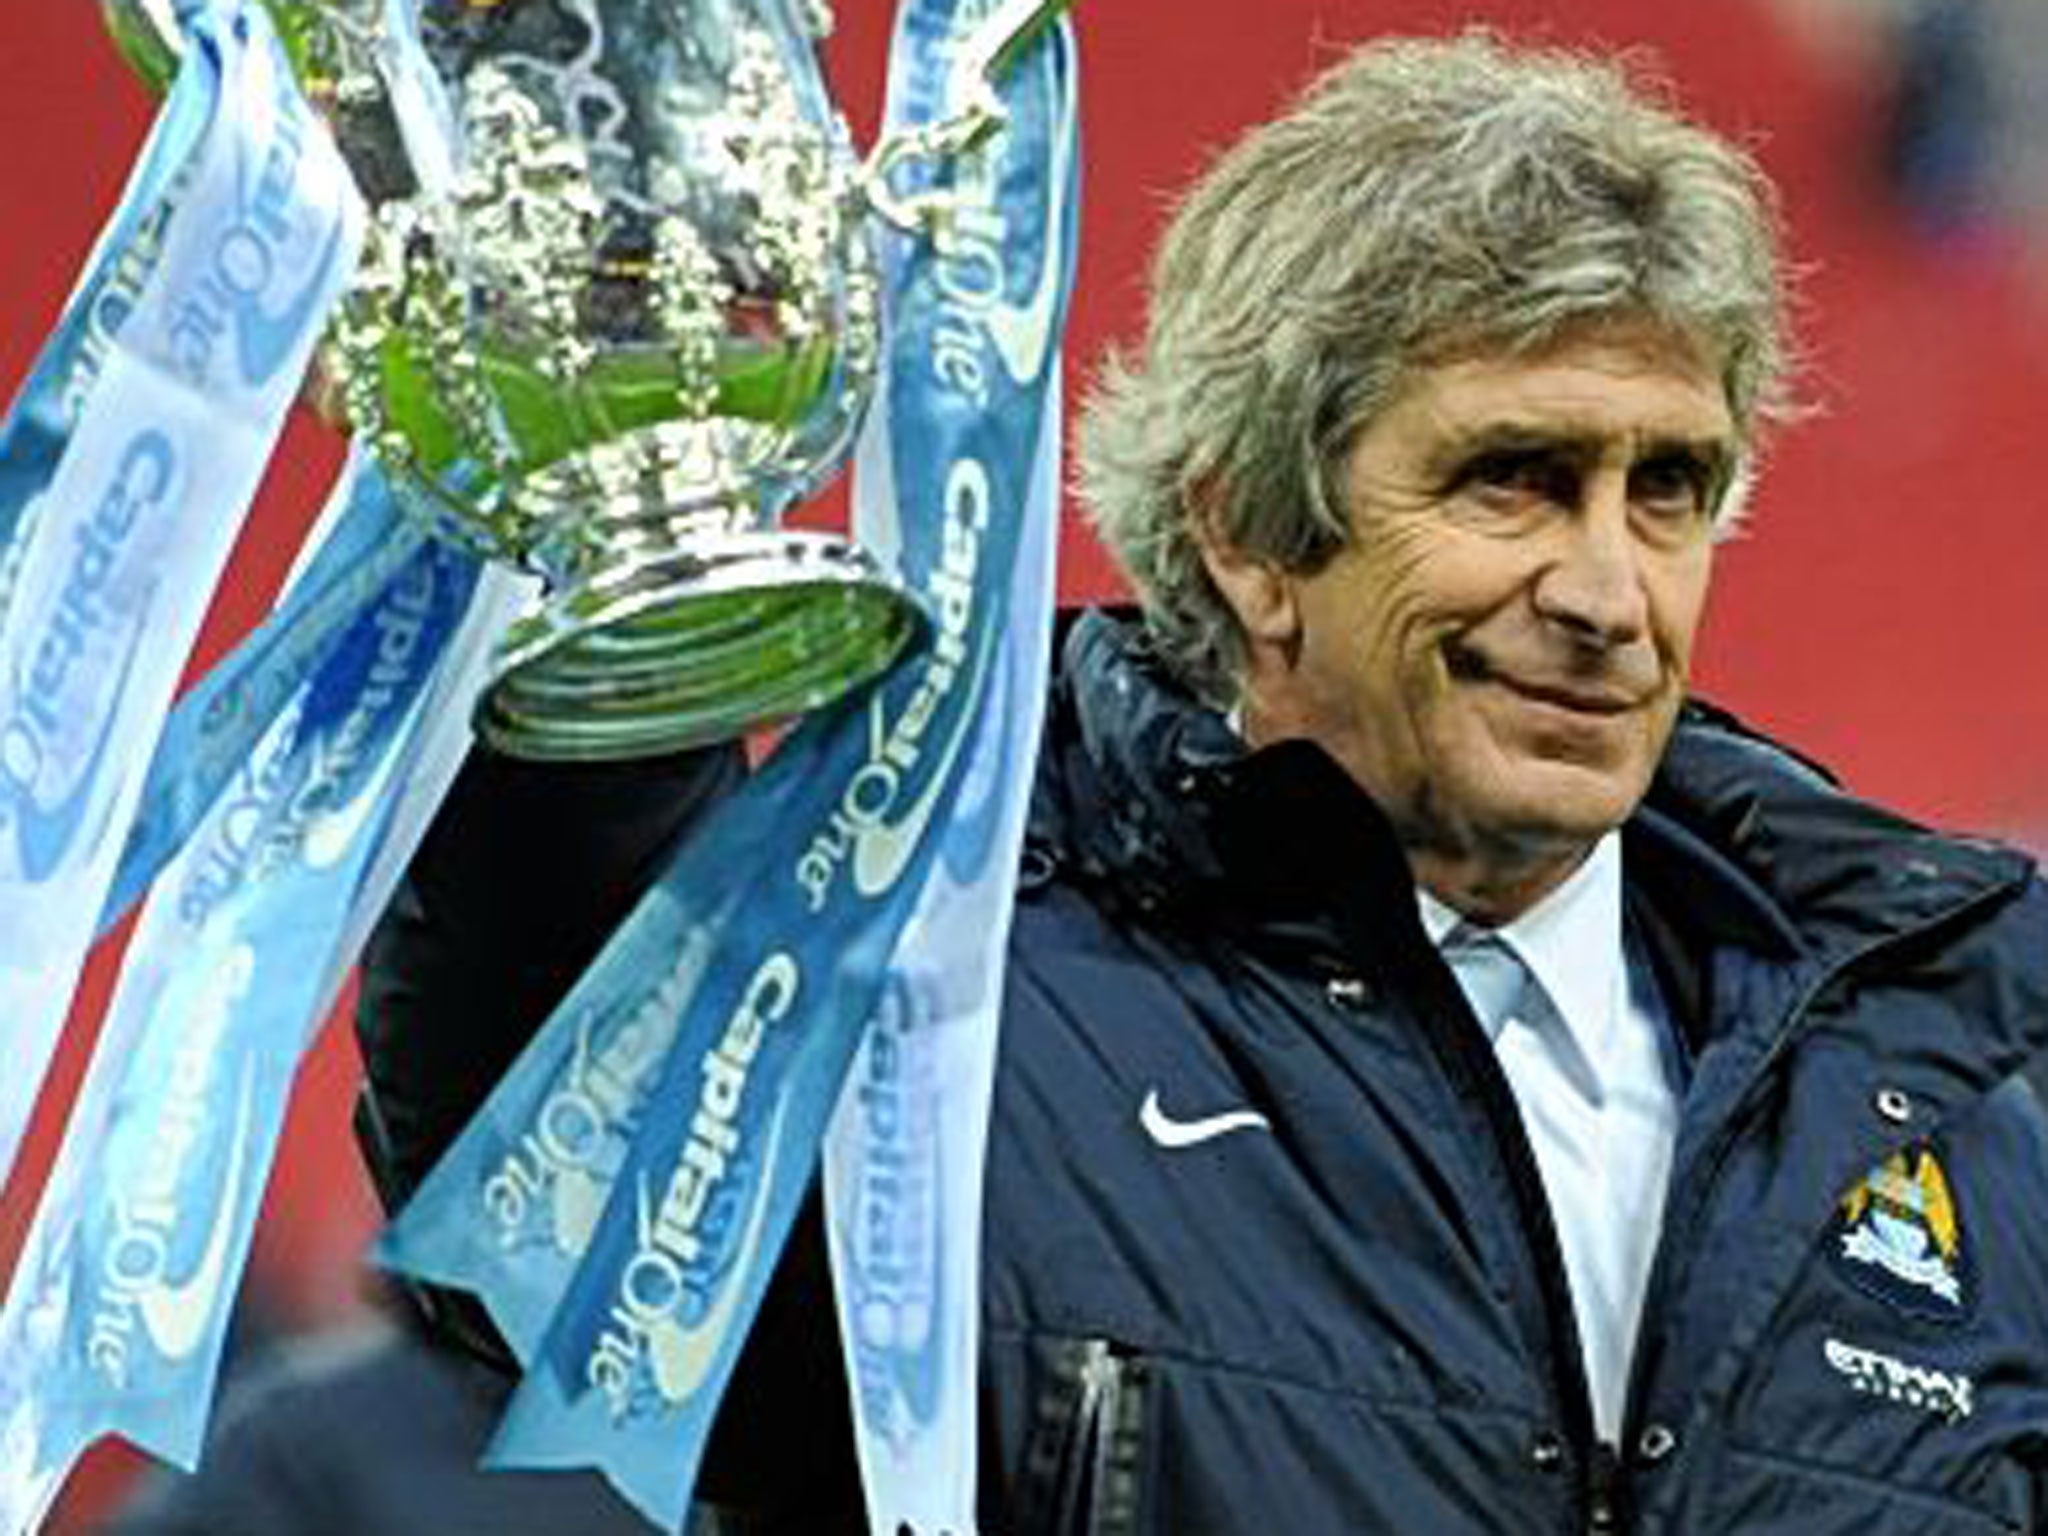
column 116, row 1323
column 39, row 426
column 265, row 817
column 128, row 467
column 620, row 1202
column 904, row 1159
column 212, row 733
column 907, row 1141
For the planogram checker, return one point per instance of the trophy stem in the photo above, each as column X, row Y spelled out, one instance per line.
column 675, row 647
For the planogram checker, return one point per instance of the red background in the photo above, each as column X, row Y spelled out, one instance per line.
column 1888, row 612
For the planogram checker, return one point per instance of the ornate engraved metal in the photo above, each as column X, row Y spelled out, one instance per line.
column 616, row 312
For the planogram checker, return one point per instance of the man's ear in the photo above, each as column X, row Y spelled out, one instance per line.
column 1259, row 592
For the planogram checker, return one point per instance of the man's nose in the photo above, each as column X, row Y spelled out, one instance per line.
column 1592, row 582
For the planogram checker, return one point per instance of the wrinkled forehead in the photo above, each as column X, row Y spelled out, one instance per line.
column 1624, row 371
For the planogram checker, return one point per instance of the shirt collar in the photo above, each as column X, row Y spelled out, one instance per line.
column 1571, row 940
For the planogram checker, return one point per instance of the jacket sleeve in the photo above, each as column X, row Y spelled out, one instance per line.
column 525, row 872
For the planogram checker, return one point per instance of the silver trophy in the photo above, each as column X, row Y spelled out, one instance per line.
column 616, row 313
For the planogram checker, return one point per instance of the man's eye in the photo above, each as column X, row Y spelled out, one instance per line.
column 1514, row 474
column 1674, row 484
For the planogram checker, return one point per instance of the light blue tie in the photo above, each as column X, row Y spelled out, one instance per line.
column 1495, row 980
column 1501, row 988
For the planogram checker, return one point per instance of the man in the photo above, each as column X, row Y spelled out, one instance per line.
column 1449, row 1083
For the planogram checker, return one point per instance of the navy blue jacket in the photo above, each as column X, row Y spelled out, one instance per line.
column 1356, row 1320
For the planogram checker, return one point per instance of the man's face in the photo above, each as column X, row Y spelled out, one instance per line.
column 1500, row 653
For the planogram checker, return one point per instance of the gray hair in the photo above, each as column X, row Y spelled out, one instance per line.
column 1421, row 197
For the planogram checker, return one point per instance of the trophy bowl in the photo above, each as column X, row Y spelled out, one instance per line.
column 616, row 313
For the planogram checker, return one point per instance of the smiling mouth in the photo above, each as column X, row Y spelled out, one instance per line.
column 1575, row 697
column 1580, row 701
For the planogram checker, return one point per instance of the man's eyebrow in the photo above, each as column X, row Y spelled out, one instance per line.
column 1714, row 451
column 1456, row 448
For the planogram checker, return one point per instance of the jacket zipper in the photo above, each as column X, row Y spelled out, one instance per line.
column 1713, row 1159
column 1085, row 1477
column 1603, row 1490
column 1469, row 1060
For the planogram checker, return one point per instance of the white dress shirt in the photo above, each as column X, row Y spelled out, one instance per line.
column 1587, row 1053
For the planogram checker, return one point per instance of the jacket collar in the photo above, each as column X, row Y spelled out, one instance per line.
column 1839, row 874
column 1152, row 795
column 1153, row 800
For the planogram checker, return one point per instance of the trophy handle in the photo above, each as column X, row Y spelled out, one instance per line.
column 990, row 55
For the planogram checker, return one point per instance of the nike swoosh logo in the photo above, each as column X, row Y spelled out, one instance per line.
column 881, row 851
column 1175, row 1134
column 177, row 1315
column 45, row 833
column 682, row 1354
column 1022, row 333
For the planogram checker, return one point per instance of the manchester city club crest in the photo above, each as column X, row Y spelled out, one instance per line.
column 1897, row 1235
